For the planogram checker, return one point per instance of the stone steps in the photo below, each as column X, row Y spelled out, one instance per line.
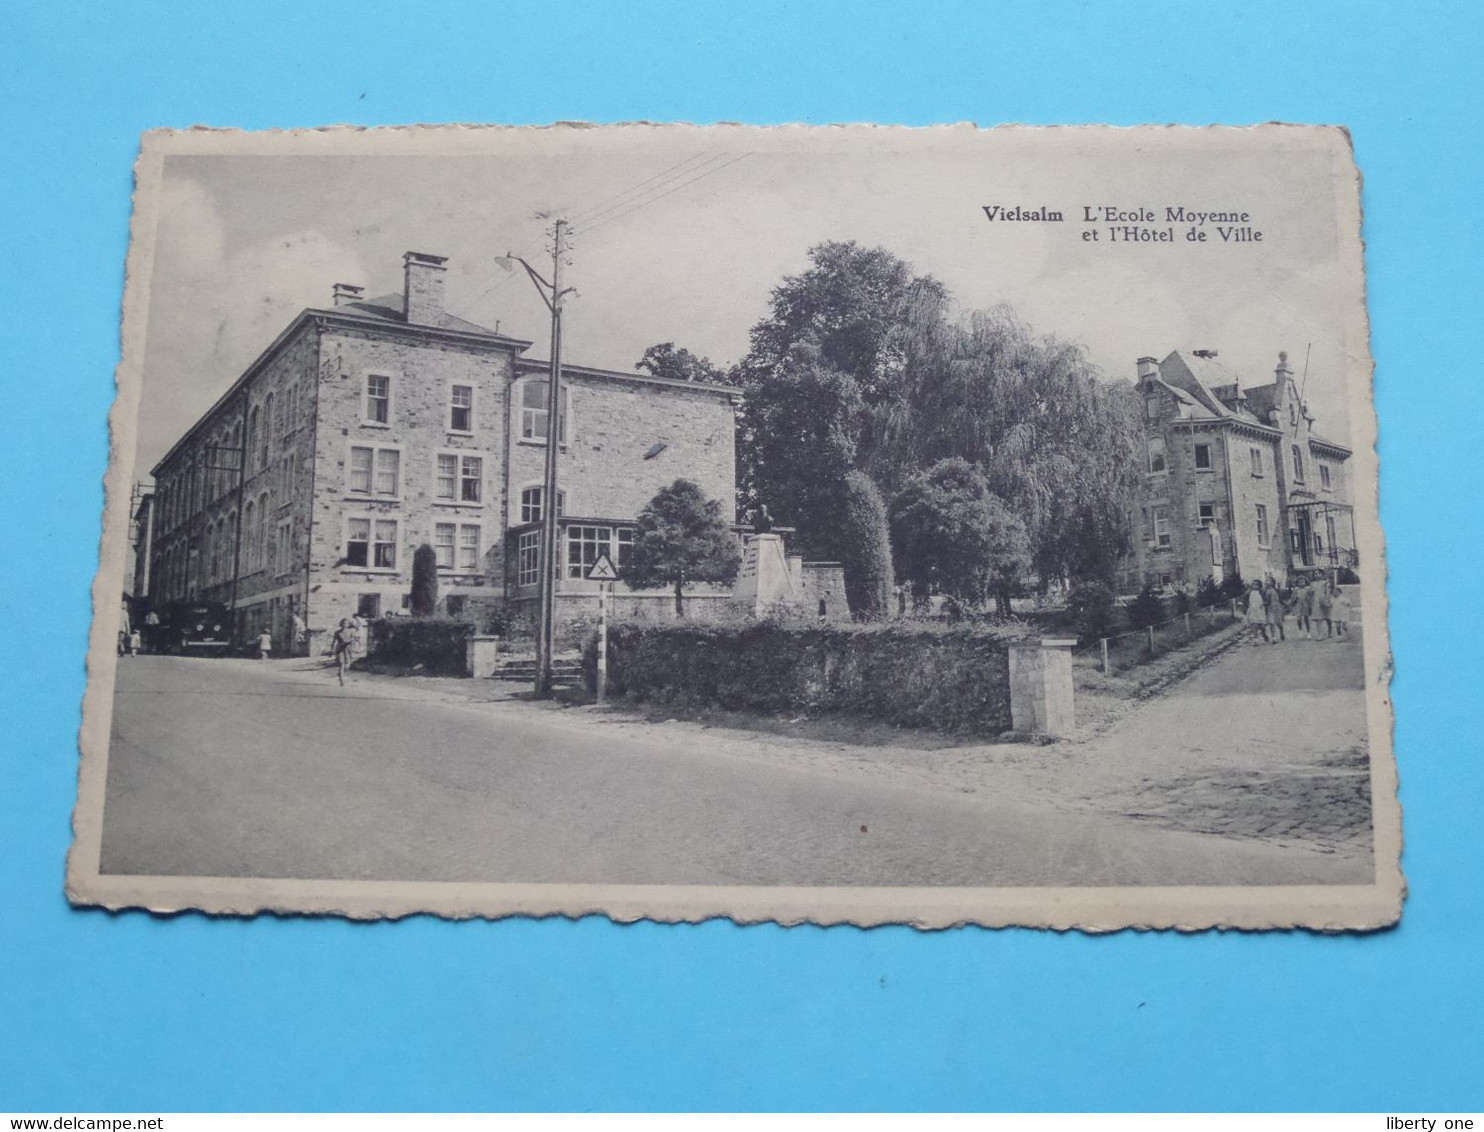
column 565, row 671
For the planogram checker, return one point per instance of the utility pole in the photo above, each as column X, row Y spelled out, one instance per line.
column 551, row 294
column 546, row 626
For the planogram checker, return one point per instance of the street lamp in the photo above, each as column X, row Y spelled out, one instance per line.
column 551, row 294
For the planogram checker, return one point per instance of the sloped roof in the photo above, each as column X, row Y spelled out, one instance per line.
column 1261, row 399
column 390, row 308
column 1176, row 371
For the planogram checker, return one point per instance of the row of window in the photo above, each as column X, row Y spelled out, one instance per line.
column 459, row 409
column 1157, row 526
column 584, row 545
column 1159, row 461
column 371, row 543
column 220, row 463
column 376, row 472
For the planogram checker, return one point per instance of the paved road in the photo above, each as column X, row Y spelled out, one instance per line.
column 234, row 768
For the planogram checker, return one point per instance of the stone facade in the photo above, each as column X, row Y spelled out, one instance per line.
column 361, row 434
column 1236, row 480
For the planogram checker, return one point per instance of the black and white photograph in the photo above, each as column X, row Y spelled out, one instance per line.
column 799, row 524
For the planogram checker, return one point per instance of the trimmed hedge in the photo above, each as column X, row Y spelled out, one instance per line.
column 437, row 643
column 948, row 679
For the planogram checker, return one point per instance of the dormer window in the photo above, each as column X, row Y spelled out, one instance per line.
column 1156, row 455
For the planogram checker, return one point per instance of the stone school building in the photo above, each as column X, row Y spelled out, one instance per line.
column 372, row 426
column 1236, row 479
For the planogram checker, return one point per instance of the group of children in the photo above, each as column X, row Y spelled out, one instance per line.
column 1317, row 604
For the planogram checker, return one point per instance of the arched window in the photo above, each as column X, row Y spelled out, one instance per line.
column 253, row 421
column 249, row 519
column 262, row 540
column 530, row 504
column 533, row 424
column 267, row 432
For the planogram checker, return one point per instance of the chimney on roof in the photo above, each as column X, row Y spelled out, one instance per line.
column 348, row 293
column 423, row 292
column 1148, row 370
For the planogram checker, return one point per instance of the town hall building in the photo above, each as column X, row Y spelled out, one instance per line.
column 373, row 426
column 1236, row 481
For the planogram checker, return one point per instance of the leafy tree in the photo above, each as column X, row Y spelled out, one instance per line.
column 1060, row 446
column 424, row 580
column 860, row 311
column 864, row 540
column 798, row 431
column 951, row 535
column 908, row 387
column 665, row 360
column 682, row 538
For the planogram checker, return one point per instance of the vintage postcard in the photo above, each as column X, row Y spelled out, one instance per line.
column 834, row 525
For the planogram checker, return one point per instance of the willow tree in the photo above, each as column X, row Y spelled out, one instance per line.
column 1056, row 443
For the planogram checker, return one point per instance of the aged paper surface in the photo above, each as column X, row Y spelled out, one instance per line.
column 1101, row 395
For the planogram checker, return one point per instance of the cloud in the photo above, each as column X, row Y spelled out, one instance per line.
column 214, row 309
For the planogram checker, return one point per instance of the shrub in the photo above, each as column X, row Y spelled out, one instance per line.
column 1209, row 592
column 1091, row 606
column 424, row 581
column 954, row 679
column 1347, row 577
column 437, row 643
column 865, row 548
column 1147, row 609
column 1183, row 601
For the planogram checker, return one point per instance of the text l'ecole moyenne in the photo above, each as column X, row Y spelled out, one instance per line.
column 1138, row 225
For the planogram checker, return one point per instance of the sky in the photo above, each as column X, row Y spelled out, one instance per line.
column 680, row 235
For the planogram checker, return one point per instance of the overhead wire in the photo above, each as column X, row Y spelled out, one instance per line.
column 637, row 205
column 586, row 213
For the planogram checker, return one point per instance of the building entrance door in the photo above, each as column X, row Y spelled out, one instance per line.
column 1305, row 539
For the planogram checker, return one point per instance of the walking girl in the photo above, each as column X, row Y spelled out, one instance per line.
column 1323, row 608
column 342, row 644
column 1257, row 614
column 1339, row 610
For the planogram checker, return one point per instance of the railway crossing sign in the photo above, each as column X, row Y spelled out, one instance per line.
column 602, row 570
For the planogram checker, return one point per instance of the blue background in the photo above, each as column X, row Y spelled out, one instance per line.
column 131, row 1012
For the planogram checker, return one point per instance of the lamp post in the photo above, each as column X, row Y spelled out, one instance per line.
column 551, row 294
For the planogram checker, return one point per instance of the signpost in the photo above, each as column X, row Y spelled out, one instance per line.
column 605, row 575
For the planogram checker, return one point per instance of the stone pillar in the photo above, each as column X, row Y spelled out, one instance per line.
column 1041, row 687
column 765, row 577
column 481, row 654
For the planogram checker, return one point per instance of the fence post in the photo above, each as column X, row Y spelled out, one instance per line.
column 1103, row 647
column 1187, row 626
column 1151, row 640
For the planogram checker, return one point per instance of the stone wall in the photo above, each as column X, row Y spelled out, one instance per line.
column 422, row 371
column 611, row 426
